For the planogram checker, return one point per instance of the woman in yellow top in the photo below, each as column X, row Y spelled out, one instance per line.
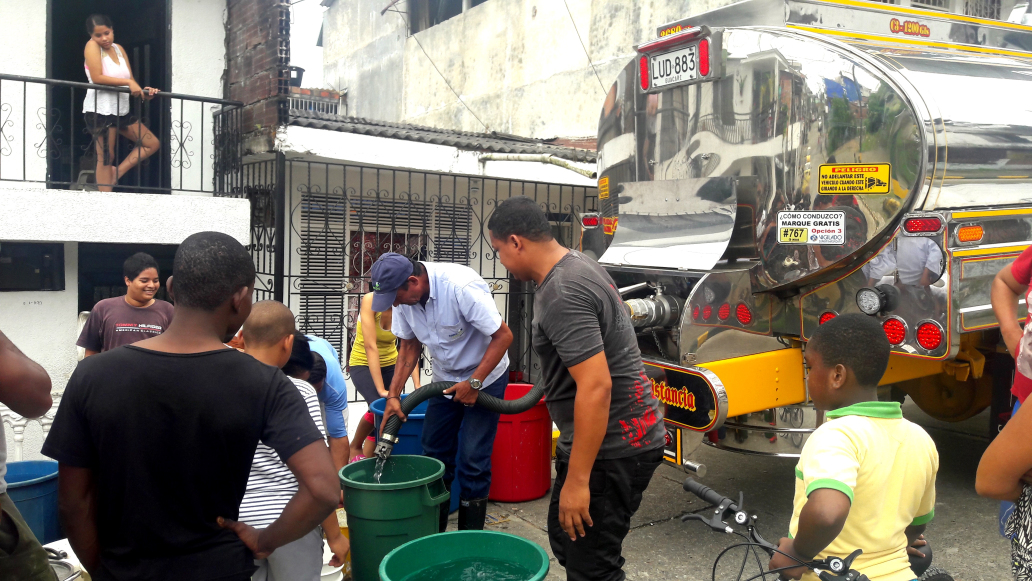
column 373, row 355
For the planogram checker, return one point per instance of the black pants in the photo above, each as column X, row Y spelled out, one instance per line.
column 363, row 380
column 616, row 488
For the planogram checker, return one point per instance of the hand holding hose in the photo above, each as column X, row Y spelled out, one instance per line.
column 463, row 393
column 392, row 408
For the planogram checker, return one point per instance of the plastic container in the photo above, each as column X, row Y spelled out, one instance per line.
column 404, row 506
column 521, row 463
column 436, row 550
column 32, row 485
column 411, row 430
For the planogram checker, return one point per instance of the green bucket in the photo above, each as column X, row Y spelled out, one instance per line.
column 404, row 506
column 439, row 552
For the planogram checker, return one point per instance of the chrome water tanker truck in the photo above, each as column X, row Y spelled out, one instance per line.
column 772, row 164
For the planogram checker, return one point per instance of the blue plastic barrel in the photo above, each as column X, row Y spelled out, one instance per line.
column 32, row 485
column 409, row 438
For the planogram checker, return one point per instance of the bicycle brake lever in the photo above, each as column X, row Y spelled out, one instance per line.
column 715, row 522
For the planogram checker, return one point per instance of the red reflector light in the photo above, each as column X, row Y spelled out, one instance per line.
column 643, row 72
column 743, row 313
column 704, row 57
column 695, row 312
column 707, row 312
column 589, row 221
column 918, row 225
column 724, row 312
column 929, row 336
column 826, row 316
column 895, row 331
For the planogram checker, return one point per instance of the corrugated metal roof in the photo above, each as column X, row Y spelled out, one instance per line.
column 494, row 142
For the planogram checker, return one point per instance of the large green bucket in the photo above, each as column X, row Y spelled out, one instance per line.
column 441, row 550
column 404, row 506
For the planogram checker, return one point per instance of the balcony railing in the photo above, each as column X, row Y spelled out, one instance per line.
column 44, row 139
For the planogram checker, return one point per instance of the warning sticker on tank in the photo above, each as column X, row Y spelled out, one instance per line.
column 859, row 179
column 603, row 188
column 811, row 227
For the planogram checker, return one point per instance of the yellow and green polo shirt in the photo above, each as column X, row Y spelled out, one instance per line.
column 886, row 465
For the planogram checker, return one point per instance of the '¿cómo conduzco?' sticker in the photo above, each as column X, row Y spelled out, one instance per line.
column 812, row 228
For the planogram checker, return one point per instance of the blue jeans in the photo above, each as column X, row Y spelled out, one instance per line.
column 463, row 438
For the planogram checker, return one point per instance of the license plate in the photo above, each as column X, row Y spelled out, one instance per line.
column 675, row 66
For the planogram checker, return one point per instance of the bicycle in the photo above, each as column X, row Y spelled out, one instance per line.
column 828, row 569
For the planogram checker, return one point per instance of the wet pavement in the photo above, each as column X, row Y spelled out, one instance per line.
column 964, row 534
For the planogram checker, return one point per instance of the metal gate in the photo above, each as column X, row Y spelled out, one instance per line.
column 337, row 219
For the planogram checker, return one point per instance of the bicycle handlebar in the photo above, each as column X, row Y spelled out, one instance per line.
column 707, row 494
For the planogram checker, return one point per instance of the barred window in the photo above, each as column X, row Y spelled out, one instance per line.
column 983, row 8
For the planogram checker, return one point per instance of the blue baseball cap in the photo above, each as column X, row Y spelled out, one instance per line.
column 389, row 272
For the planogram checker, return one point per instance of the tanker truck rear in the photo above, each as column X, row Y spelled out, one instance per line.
column 772, row 164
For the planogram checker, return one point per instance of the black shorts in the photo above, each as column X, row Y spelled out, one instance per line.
column 98, row 126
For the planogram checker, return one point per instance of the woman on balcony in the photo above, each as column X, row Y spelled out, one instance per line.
column 107, row 112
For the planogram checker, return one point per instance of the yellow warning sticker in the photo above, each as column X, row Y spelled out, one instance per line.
column 793, row 235
column 859, row 179
column 603, row 188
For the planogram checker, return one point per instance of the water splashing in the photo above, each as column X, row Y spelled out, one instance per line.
column 378, row 472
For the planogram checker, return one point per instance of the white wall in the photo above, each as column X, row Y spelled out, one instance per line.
column 198, row 47
column 198, row 63
column 43, row 326
column 25, row 27
column 58, row 215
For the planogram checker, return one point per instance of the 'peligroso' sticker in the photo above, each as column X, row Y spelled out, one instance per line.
column 854, row 178
column 812, row 228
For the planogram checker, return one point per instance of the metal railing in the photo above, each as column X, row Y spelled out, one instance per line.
column 46, row 138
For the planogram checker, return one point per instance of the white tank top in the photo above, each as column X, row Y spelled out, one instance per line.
column 108, row 102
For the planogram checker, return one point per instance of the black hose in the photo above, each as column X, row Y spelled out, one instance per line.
column 389, row 435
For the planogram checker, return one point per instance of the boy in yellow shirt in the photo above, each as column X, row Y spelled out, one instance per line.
column 866, row 477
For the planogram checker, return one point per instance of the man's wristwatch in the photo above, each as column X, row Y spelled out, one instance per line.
column 476, row 383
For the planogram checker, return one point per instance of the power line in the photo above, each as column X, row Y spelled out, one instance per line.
column 590, row 64
column 433, row 64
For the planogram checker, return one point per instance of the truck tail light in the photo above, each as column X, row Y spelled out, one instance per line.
column 743, row 313
column 969, row 233
column 704, row 57
column 695, row 312
column 724, row 312
column 707, row 312
column 589, row 221
column 922, row 225
column 826, row 316
column 929, row 336
column 895, row 331
column 643, row 72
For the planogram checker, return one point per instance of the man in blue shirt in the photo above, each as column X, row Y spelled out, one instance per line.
column 334, row 398
column 448, row 308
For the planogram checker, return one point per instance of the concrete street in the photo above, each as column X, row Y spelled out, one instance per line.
column 964, row 534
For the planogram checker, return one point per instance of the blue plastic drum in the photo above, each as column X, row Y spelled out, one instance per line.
column 32, row 485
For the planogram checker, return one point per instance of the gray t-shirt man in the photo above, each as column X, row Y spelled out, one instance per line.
column 577, row 314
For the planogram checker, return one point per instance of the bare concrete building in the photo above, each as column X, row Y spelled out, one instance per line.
column 527, row 67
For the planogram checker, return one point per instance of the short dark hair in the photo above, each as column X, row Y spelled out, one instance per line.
column 857, row 342
column 520, row 216
column 301, row 359
column 137, row 263
column 208, row 268
column 318, row 369
column 95, row 20
column 417, row 270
